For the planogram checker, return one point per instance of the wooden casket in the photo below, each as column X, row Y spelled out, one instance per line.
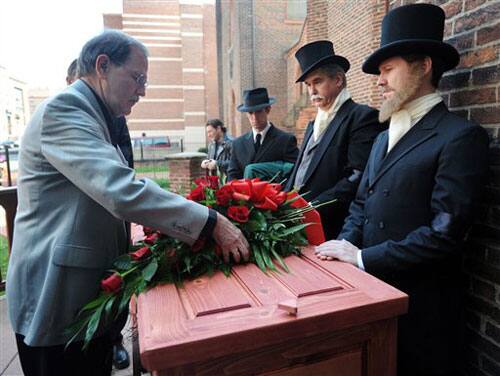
column 345, row 323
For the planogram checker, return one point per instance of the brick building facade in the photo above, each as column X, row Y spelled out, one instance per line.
column 182, row 79
column 254, row 37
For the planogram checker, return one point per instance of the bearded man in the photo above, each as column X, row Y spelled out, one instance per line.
column 337, row 143
column 416, row 200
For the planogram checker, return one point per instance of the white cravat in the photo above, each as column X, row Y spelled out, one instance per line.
column 402, row 121
column 323, row 118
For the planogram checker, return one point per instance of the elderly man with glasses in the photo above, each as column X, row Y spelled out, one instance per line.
column 75, row 192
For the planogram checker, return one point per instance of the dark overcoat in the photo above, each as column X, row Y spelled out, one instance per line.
column 277, row 146
column 338, row 163
column 412, row 211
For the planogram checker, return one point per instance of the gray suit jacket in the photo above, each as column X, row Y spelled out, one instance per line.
column 75, row 191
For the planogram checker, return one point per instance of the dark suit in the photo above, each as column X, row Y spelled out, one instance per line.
column 411, row 213
column 344, row 148
column 277, row 146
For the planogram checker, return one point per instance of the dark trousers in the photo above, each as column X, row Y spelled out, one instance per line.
column 56, row 361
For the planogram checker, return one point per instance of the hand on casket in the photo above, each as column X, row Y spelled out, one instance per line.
column 230, row 239
column 338, row 249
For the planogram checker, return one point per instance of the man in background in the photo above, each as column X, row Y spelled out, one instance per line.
column 219, row 149
column 264, row 143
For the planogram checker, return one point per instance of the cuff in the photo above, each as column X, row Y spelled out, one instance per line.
column 360, row 260
column 209, row 227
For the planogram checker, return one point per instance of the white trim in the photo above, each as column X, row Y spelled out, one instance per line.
column 152, row 16
column 186, row 87
column 161, row 100
column 146, row 37
column 195, row 113
column 197, row 16
column 150, row 58
column 146, row 23
column 159, row 31
column 194, row 87
column 191, row 34
column 193, row 70
column 174, row 120
column 162, row 45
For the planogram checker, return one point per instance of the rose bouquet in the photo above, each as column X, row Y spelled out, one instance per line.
column 276, row 224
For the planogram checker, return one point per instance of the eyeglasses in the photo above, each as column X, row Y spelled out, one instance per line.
column 140, row 80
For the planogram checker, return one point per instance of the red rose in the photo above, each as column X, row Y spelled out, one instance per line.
column 258, row 189
column 112, row 284
column 224, row 195
column 140, row 253
column 238, row 213
column 267, row 204
column 208, row 181
column 151, row 239
column 197, row 194
column 148, row 230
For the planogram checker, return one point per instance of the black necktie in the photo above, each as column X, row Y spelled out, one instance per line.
column 257, row 142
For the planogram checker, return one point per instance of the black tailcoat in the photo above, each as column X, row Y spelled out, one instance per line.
column 277, row 146
column 344, row 148
column 411, row 213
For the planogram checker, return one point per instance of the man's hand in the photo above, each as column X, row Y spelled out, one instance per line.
column 212, row 164
column 204, row 163
column 230, row 239
column 338, row 249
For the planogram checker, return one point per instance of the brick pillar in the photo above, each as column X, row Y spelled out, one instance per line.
column 184, row 168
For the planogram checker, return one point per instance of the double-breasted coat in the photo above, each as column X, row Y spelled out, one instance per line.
column 412, row 211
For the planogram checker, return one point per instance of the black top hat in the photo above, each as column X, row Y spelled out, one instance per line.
column 255, row 99
column 413, row 29
column 316, row 54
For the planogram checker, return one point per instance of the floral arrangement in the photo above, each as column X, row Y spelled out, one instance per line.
column 275, row 223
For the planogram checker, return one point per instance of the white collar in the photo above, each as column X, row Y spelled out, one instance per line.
column 262, row 133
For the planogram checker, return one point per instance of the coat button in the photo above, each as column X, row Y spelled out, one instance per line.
column 386, row 192
column 370, row 192
column 366, row 221
column 381, row 225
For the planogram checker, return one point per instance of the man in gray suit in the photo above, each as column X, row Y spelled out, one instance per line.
column 75, row 193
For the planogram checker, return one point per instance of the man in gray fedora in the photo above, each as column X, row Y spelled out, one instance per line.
column 264, row 143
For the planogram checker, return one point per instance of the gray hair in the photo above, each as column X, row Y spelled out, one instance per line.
column 112, row 43
column 331, row 70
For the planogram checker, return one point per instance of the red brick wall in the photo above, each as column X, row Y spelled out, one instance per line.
column 255, row 37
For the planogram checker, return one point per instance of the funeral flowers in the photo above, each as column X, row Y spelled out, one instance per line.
column 276, row 224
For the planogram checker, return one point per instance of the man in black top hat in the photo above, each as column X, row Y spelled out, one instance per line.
column 417, row 197
column 337, row 143
column 265, row 143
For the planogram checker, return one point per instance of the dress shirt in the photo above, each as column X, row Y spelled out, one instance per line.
column 262, row 133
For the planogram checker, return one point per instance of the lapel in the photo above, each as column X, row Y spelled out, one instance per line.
column 249, row 155
column 307, row 135
column 268, row 140
column 82, row 88
column 417, row 135
column 330, row 132
column 379, row 150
